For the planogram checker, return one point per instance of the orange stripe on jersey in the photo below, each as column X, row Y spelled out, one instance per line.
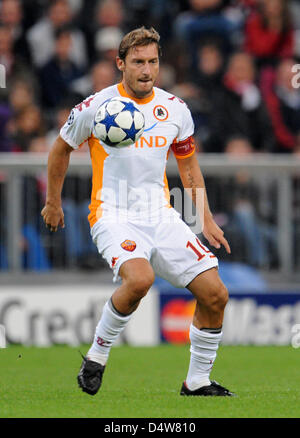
column 167, row 191
column 183, row 149
column 166, row 185
column 123, row 93
column 98, row 157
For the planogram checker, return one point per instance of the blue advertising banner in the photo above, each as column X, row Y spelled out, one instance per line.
column 267, row 318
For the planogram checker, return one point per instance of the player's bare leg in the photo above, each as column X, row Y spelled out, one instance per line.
column 205, row 334
column 137, row 278
column 212, row 296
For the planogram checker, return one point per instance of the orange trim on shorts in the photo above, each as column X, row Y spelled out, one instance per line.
column 123, row 93
column 98, row 157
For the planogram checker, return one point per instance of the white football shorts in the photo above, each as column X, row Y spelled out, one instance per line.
column 175, row 253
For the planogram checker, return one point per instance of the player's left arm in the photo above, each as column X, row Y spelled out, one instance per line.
column 192, row 178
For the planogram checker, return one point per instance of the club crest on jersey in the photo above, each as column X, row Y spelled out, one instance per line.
column 128, row 245
column 160, row 113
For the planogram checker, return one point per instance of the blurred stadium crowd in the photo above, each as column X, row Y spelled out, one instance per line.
column 230, row 60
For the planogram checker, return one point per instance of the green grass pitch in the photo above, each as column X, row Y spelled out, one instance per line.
column 145, row 383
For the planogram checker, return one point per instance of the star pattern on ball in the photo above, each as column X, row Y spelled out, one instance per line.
column 116, row 129
column 110, row 121
column 128, row 106
column 131, row 132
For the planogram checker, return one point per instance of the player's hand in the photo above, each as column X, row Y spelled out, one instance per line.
column 53, row 217
column 215, row 236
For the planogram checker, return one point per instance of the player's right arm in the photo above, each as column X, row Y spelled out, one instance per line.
column 58, row 162
column 73, row 133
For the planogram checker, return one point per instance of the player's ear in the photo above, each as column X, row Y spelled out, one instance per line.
column 120, row 64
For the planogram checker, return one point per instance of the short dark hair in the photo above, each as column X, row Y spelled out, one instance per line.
column 139, row 37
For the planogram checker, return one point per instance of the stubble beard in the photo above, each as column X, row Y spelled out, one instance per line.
column 140, row 94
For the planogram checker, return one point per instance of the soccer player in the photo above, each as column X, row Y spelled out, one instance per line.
column 145, row 235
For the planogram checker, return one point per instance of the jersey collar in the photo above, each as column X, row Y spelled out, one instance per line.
column 123, row 93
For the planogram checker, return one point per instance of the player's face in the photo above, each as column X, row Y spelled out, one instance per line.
column 140, row 70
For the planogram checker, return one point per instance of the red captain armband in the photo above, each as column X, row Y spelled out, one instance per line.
column 184, row 148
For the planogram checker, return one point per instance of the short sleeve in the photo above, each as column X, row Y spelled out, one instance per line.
column 78, row 127
column 187, row 124
column 183, row 145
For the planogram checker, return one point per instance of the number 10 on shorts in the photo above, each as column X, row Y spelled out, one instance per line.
column 199, row 254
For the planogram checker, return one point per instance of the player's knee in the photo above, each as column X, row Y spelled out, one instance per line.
column 222, row 296
column 140, row 284
column 217, row 297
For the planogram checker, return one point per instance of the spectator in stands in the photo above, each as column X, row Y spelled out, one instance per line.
column 21, row 96
column 229, row 116
column 109, row 13
column 210, row 63
column 190, row 93
column 253, row 236
column 57, row 74
column 101, row 75
column 238, row 109
column 61, row 114
column 269, row 34
column 200, row 86
column 15, row 66
column 204, row 16
column 41, row 36
column 239, row 147
column 28, row 124
column 208, row 77
column 156, row 13
column 6, row 145
column 107, row 43
column 108, row 29
column 203, row 19
column 76, row 245
column 106, row 22
column 166, row 78
column 294, row 7
column 13, row 69
column 11, row 15
column 283, row 102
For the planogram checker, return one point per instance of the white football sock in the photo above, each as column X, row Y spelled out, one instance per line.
column 203, row 350
column 108, row 329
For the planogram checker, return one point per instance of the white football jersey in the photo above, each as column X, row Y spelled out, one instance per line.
column 132, row 180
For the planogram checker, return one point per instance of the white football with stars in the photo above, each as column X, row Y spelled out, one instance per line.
column 119, row 122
